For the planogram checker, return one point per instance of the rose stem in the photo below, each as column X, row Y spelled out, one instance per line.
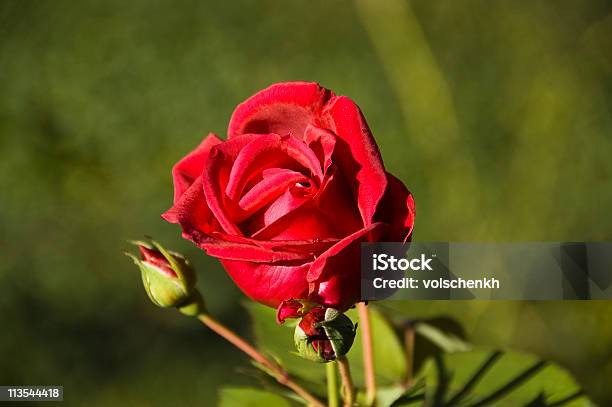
column 368, row 353
column 279, row 373
column 332, row 385
column 409, row 347
column 347, row 382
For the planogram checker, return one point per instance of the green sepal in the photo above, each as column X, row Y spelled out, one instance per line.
column 304, row 347
column 163, row 289
column 339, row 330
column 194, row 305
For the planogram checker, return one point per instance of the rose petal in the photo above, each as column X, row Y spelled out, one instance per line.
column 249, row 252
column 277, row 218
column 311, row 247
column 224, row 246
column 283, row 108
column 269, row 284
column 157, row 259
column 356, row 154
column 269, row 188
column 338, row 278
column 331, row 212
column 192, row 212
column 365, row 234
column 322, row 142
column 336, row 204
column 397, row 209
column 215, row 178
column 190, row 167
column 269, row 150
column 289, row 309
column 309, row 323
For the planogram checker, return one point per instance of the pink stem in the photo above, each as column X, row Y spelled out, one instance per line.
column 368, row 352
column 279, row 373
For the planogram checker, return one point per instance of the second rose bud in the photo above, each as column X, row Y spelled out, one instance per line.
column 324, row 335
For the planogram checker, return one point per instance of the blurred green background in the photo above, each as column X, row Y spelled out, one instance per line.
column 496, row 114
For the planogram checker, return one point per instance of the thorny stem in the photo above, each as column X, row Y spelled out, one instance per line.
column 368, row 353
column 279, row 373
column 347, row 383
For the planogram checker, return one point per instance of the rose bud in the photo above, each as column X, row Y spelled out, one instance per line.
column 286, row 201
column 324, row 334
column 168, row 278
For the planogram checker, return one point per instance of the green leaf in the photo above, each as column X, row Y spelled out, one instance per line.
column 396, row 395
column 576, row 334
column 495, row 378
column 411, row 397
column 444, row 340
column 247, row 397
column 389, row 357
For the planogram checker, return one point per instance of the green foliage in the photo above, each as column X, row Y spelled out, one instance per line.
column 388, row 351
column 446, row 341
column 246, row 397
column 455, row 373
column 530, row 327
column 277, row 341
column 483, row 377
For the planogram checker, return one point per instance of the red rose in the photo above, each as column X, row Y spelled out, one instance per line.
column 285, row 202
